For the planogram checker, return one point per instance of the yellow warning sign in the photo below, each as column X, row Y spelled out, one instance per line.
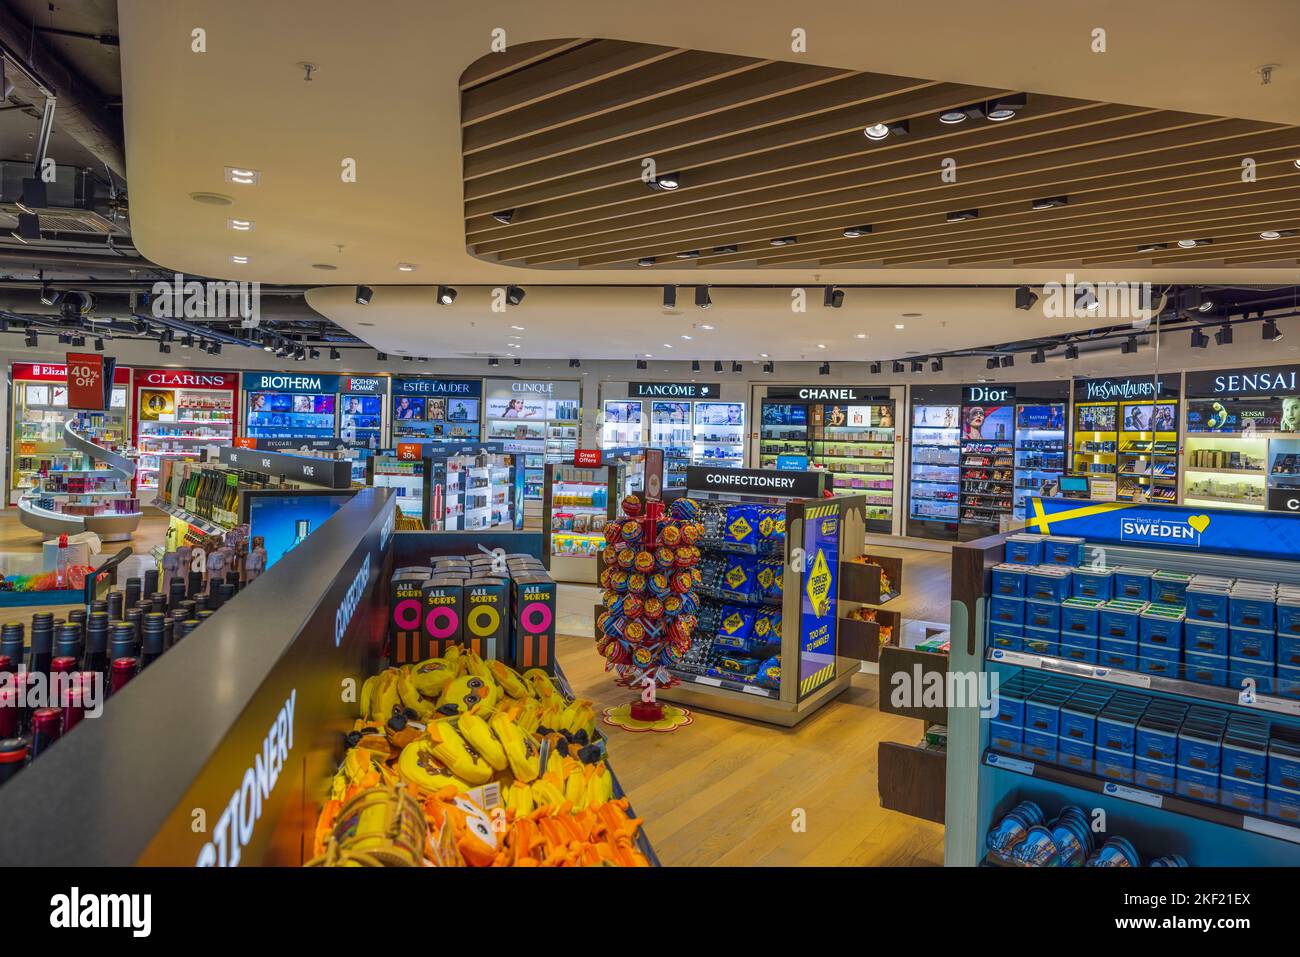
column 819, row 585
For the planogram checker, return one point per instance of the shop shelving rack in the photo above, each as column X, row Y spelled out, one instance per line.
column 1096, row 439
column 1227, row 469
column 1039, row 450
column 576, row 504
column 859, row 455
column 717, row 441
column 934, row 489
column 1203, row 833
column 987, row 470
column 42, row 506
column 1148, row 454
column 783, row 430
column 407, row 477
column 670, row 430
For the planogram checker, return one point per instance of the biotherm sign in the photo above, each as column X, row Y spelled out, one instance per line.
column 290, row 382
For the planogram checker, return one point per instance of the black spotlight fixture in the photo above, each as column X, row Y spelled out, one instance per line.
column 729, row 248
column 783, row 241
column 1224, row 336
column 703, row 299
column 874, row 368
column 1007, row 361
column 736, row 367
column 1004, row 107
column 216, row 349
column 1129, row 347
column 667, row 182
column 689, row 254
column 670, row 297
column 646, row 261
column 991, row 362
column 1071, row 351
column 1199, row 339
column 1085, row 297
column 918, row 365
column 1025, row 297
column 769, row 367
column 518, row 361
column 853, row 232
column 717, row 365
column 575, row 363
column 47, row 295
column 640, row 364
column 834, row 298
column 164, row 347
column 79, row 341
column 936, row 365
column 898, row 367
column 515, row 295
column 824, row 369
column 494, row 362
column 99, row 344
column 961, row 215
column 1039, row 356
column 446, row 295
column 1049, row 202
column 335, row 354
column 504, row 216
column 363, row 295
column 1271, row 333
column 695, row 365
column 381, row 356
column 32, row 339
column 314, row 353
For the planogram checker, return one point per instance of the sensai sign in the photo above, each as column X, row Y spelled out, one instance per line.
column 1275, row 380
column 287, row 382
column 982, row 394
column 1113, row 390
column 755, row 481
column 672, row 390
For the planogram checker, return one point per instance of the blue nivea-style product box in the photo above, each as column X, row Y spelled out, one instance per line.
column 1024, row 549
column 1047, row 583
column 1169, row 588
column 1009, row 580
column 1119, row 618
column 1207, row 602
column 1007, row 738
column 1244, row 756
column 1197, row 785
column 1039, row 746
column 1007, row 611
column 1287, row 611
column 1081, row 648
column 1157, row 738
column 1205, row 669
column 1243, row 796
column 1160, row 667
column 1200, row 746
column 1113, row 653
column 1239, row 669
column 1042, row 614
column 1092, row 583
column 1282, row 803
column 1287, row 682
column 1252, row 605
column 1205, row 637
column 1117, row 728
column 1079, row 718
column 1153, row 775
column 1080, row 616
column 1074, row 754
column 1006, row 637
column 1043, row 711
column 1252, row 644
column 1065, row 550
column 1288, row 650
column 1284, row 763
column 1134, row 583
column 1042, row 641
column 1161, row 626
column 1113, row 765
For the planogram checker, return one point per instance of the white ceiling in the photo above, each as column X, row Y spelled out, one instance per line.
column 385, row 94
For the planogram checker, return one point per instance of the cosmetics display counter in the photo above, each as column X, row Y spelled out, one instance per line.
column 1146, row 665
column 89, row 492
column 1127, row 429
column 935, row 465
column 175, row 413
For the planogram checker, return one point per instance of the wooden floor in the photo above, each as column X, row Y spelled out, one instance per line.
column 724, row 791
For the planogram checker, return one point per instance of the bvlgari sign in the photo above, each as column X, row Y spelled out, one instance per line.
column 672, row 390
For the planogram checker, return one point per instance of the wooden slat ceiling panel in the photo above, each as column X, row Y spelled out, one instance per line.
column 558, row 132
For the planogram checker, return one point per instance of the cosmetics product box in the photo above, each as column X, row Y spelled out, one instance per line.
column 1039, row 746
column 1113, row 765
column 1007, row 611
column 1245, row 756
column 1252, row 644
column 1042, row 641
column 1205, row 669
column 1043, row 711
column 1153, row 775
column 1009, row 580
column 1080, row 648
column 1157, row 738
column 1074, row 754
column 1288, row 614
column 1047, row 583
column 1169, row 588
column 1287, row 683
column 1065, row 550
column 1134, row 583
column 1205, row 637
column 1197, row 785
column 1119, row 618
column 1080, row 616
column 1284, row 763
column 1024, row 549
column 1117, row 729
column 1159, row 667
column 1042, row 614
column 1239, row 669
column 1092, row 583
column 1244, row 796
column 1250, row 607
column 1113, row 653
column 1079, row 718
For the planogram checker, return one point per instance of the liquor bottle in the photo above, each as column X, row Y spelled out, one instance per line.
column 114, row 605
column 13, row 757
column 150, row 581
column 97, row 643
column 154, row 639
column 131, row 598
column 133, row 618
column 42, row 642
column 46, row 724
column 124, row 670
column 122, row 642
column 13, row 643
column 10, row 717
column 176, row 591
column 74, row 708
column 68, row 642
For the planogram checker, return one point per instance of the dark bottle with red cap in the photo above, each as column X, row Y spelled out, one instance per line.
column 74, row 707
column 68, row 642
column 10, row 715
column 46, row 724
column 97, row 642
column 13, row 757
column 124, row 670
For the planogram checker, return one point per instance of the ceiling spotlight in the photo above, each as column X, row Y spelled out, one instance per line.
column 717, row 365
column 518, row 361
column 952, row 117
column 962, row 215
column 51, row 297
column 736, row 366
column 245, row 177
column 834, row 298
column 1007, row 361
column 1152, row 247
column 504, row 216
column 406, row 267
column 668, row 181
column 1049, row 202
column 729, row 248
column 1072, row 351
column 853, row 232
column 640, row 364
column 670, row 297
column 494, row 362
column 702, row 297
column 1004, row 107
column 936, row 365
column 695, row 365
column 215, row 349
column 240, row 225
column 1199, row 339
column 1025, row 297
column 646, row 261
column 918, row 365
column 381, row 356
column 364, row 294
column 689, row 254
column 99, row 345
column 874, row 368
column 898, row 367
column 575, row 363
column 991, row 362
column 1224, row 335
column 314, row 353
column 880, row 131
column 515, row 295
column 769, row 368
column 446, row 295
column 1271, row 332
column 824, row 369
column 1129, row 346
column 783, row 241
column 1039, row 356
column 1297, row 163
column 32, row 339
column 164, row 347
column 1270, row 234
column 1085, row 297
column 1189, row 243
column 335, row 355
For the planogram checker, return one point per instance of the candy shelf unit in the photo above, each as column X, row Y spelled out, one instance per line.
column 1203, row 833
column 584, row 499
column 808, row 679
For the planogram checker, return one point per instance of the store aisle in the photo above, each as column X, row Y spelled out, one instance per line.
column 724, row 791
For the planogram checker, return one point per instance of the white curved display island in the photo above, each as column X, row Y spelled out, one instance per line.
column 100, row 498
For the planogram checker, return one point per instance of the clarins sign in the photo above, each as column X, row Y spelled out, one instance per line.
column 193, row 380
column 1272, row 380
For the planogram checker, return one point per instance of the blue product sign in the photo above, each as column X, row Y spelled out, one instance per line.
column 795, row 463
column 292, row 382
column 1260, row 535
column 817, row 601
column 467, row 388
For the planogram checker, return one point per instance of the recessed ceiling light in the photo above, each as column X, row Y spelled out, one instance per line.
column 242, row 176
column 1270, row 234
column 952, row 117
column 239, row 259
column 963, row 214
column 667, row 346
column 365, row 323
column 877, row 132
column 520, row 328
column 898, row 325
column 446, row 295
column 514, row 337
column 504, row 216
column 242, row 225
column 212, row 199
column 689, row 254
column 1049, row 202
column 763, row 355
column 783, row 241
column 729, row 248
column 646, row 261
column 911, row 315
column 1297, row 163
column 707, row 327
column 1152, row 247
column 668, row 181
column 1004, row 107
column 686, row 337
column 406, row 267
column 1187, row 243
column 821, row 345
column 853, row 232
column 862, row 335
